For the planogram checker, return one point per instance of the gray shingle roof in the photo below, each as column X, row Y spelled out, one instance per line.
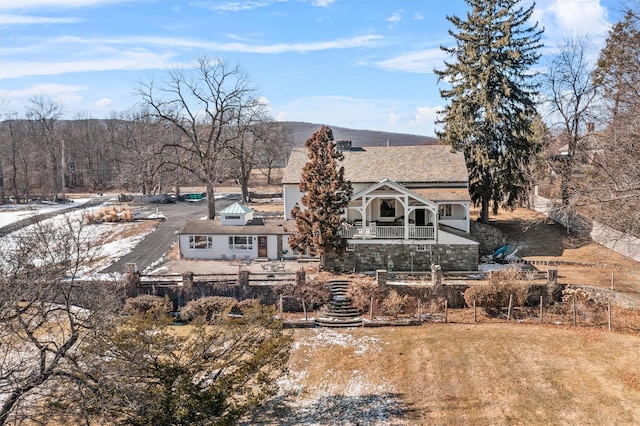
column 213, row 227
column 403, row 164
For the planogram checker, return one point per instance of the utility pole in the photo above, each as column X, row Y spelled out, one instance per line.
column 63, row 181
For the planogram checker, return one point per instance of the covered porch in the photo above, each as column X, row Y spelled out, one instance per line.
column 387, row 210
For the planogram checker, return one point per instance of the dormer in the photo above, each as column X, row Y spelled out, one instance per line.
column 236, row 214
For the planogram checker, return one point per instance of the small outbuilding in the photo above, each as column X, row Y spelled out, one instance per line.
column 237, row 234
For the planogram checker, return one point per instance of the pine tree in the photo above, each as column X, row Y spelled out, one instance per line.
column 326, row 195
column 618, row 68
column 491, row 93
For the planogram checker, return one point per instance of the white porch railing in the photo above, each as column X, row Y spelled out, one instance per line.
column 387, row 232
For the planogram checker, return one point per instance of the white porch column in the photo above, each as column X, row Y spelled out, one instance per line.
column 365, row 203
column 405, row 208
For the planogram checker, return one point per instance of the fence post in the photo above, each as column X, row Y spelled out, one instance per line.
column 541, row 320
column 304, row 308
column 446, row 311
column 574, row 310
column 371, row 310
column 609, row 310
column 475, row 315
column 611, row 280
column 280, row 306
column 419, row 313
column 509, row 310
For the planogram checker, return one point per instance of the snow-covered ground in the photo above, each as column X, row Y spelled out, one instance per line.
column 109, row 241
column 358, row 398
column 11, row 213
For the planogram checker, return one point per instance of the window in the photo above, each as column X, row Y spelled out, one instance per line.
column 351, row 247
column 232, row 217
column 445, row 210
column 200, row 242
column 241, row 243
column 388, row 208
column 421, row 247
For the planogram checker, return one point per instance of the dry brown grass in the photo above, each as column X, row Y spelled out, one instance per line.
column 541, row 239
column 452, row 374
column 129, row 230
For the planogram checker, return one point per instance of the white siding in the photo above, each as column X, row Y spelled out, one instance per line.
column 221, row 247
column 291, row 195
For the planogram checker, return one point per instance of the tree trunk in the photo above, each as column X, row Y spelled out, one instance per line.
column 211, row 201
column 244, row 187
column 484, row 212
column 2, row 193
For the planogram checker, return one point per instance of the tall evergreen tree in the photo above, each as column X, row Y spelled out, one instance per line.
column 618, row 68
column 326, row 195
column 491, row 99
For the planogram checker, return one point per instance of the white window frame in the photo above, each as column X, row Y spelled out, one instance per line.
column 351, row 246
column 236, row 242
column 392, row 203
column 200, row 242
column 421, row 247
column 445, row 210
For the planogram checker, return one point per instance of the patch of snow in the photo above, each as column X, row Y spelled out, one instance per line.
column 365, row 399
column 105, row 248
column 11, row 213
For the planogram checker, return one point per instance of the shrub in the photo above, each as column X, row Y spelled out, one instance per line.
column 110, row 214
column 582, row 298
column 239, row 307
column 361, row 290
column 314, row 293
column 495, row 295
column 148, row 303
column 395, row 304
column 207, row 308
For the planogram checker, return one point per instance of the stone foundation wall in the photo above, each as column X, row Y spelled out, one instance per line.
column 398, row 257
column 490, row 238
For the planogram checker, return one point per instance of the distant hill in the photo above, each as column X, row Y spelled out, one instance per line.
column 302, row 131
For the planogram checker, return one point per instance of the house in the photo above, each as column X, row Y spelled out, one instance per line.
column 235, row 234
column 409, row 208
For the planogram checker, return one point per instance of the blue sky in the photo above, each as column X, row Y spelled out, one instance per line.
column 363, row 64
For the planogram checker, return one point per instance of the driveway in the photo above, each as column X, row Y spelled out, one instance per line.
column 156, row 244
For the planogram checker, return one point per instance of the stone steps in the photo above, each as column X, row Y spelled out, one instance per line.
column 339, row 313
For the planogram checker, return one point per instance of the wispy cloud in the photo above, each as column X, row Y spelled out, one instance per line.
column 422, row 61
column 49, row 89
column 132, row 60
column 395, row 17
column 322, row 3
column 561, row 18
column 418, row 16
column 231, row 6
column 115, row 53
column 369, row 40
column 9, row 19
column 60, row 4
column 102, row 103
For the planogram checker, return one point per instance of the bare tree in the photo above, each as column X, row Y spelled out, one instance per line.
column 139, row 139
column 572, row 97
column 88, row 153
column 205, row 104
column 3, row 149
column 43, row 113
column 246, row 148
column 276, row 141
column 46, row 315
column 610, row 190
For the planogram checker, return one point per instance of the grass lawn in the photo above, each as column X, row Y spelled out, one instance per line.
column 453, row 374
